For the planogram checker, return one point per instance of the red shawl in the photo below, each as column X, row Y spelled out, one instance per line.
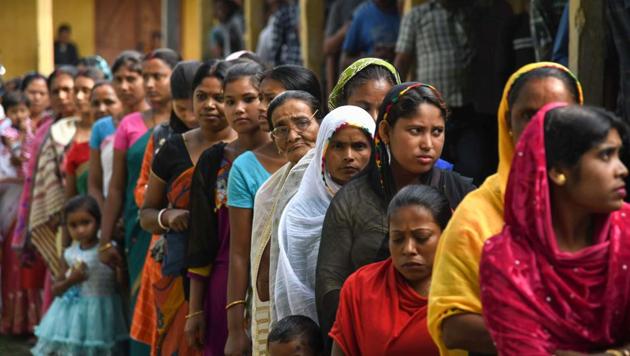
column 380, row 314
column 538, row 299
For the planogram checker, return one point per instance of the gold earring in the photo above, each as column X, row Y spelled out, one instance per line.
column 562, row 179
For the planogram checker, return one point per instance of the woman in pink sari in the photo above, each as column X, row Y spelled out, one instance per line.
column 558, row 276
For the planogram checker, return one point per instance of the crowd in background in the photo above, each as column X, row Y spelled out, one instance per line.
column 441, row 189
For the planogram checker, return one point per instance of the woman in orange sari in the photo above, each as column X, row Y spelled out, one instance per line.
column 166, row 204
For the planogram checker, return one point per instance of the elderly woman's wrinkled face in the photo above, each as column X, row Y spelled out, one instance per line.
column 295, row 129
column 413, row 237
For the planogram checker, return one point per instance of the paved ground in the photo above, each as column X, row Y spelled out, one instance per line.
column 14, row 346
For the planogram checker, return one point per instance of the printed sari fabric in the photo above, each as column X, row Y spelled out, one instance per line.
column 380, row 314
column 455, row 280
column 173, row 166
column 48, row 193
column 19, row 235
column 538, row 299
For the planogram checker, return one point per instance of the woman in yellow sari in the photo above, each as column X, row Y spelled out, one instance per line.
column 455, row 320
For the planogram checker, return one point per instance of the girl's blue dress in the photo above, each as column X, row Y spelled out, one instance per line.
column 89, row 318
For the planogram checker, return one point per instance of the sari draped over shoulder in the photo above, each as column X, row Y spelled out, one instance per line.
column 136, row 239
column 300, row 228
column 291, row 185
column 48, row 193
column 21, row 230
column 380, row 314
column 455, row 280
column 269, row 202
column 538, row 299
column 163, row 295
column 209, row 241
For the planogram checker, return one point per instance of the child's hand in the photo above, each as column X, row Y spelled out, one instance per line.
column 78, row 273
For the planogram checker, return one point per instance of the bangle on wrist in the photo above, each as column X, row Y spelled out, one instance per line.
column 190, row 315
column 159, row 219
column 235, row 303
column 107, row 246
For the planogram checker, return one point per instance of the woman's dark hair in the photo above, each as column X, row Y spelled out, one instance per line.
column 68, row 70
column 252, row 57
column 210, row 69
column 14, row 98
column 369, row 73
column 181, row 88
column 29, row 78
column 100, row 83
column 90, row 72
column 130, row 59
column 544, row 72
column 293, row 77
column 97, row 62
column 300, row 95
column 294, row 327
column 166, row 55
column 398, row 106
column 82, row 202
column 571, row 131
column 241, row 69
column 423, row 196
column 182, row 79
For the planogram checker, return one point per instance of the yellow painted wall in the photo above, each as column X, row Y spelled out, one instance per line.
column 18, row 53
column 192, row 33
column 80, row 15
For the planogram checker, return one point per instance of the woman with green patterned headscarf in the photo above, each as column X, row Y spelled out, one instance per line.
column 364, row 84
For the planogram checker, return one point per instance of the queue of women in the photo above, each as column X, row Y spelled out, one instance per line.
column 192, row 208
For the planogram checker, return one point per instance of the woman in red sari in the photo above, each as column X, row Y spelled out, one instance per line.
column 557, row 277
column 383, row 306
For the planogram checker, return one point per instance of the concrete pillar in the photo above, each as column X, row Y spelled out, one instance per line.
column 192, row 29
column 254, row 12
column 312, row 25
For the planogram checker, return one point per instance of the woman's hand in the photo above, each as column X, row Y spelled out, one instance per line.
column 111, row 257
column 195, row 330
column 238, row 344
column 176, row 219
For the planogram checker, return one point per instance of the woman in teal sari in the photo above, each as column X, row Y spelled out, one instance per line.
column 130, row 142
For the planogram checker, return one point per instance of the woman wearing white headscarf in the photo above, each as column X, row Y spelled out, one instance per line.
column 342, row 150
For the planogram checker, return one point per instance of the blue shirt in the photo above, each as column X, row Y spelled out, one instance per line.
column 246, row 176
column 102, row 128
column 371, row 27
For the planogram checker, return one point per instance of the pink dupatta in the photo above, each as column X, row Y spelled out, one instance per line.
column 538, row 299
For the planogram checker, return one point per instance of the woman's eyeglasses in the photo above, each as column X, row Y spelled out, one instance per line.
column 299, row 124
